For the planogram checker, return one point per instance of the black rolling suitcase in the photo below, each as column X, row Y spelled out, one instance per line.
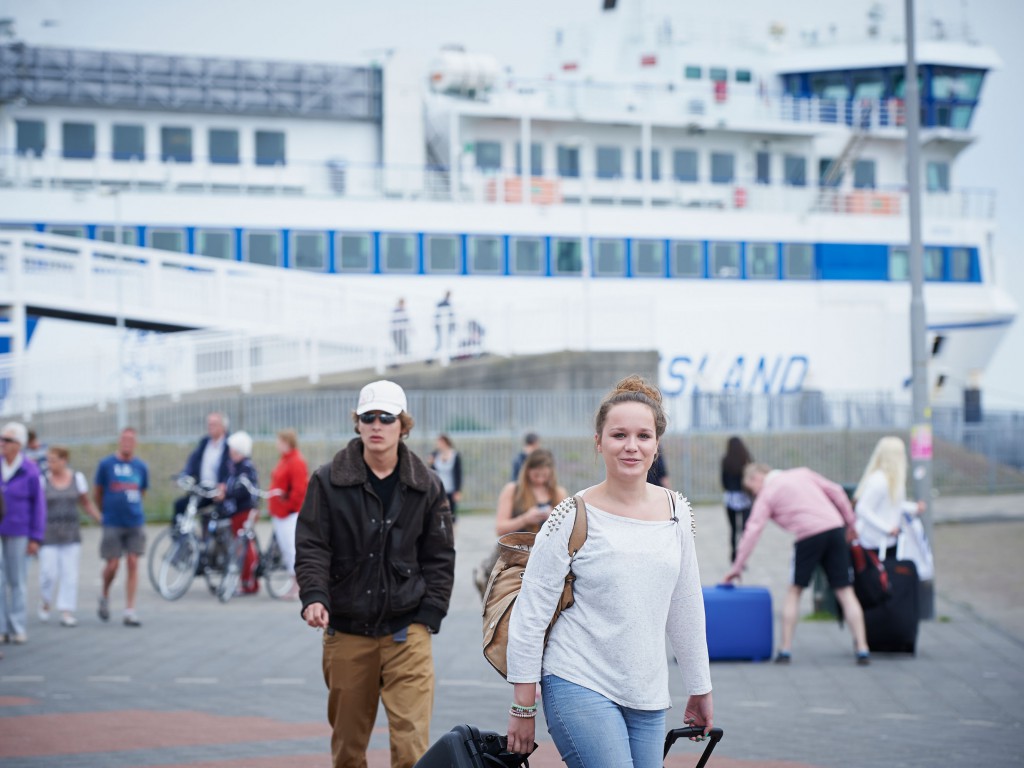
column 466, row 746
column 892, row 626
column 714, row 736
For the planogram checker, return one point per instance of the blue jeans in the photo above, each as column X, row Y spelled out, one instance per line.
column 13, row 587
column 592, row 731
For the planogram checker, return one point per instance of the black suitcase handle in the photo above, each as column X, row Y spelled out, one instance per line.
column 714, row 736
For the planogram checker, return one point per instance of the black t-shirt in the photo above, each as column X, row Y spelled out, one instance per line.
column 384, row 487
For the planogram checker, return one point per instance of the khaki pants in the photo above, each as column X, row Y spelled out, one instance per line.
column 358, row 672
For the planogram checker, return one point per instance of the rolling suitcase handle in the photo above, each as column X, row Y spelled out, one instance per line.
column 715, row 736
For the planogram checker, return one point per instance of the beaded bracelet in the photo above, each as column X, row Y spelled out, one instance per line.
column 518, row 710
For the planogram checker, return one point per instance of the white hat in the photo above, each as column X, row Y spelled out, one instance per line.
column 16, row 430
column 382, row 396
column 240, row 442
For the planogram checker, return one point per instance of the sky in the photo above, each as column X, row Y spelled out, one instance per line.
column 519, row 33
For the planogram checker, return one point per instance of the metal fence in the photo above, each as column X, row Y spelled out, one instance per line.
column 831, row 434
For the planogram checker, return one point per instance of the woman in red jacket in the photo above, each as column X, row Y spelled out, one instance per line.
column 289, row 480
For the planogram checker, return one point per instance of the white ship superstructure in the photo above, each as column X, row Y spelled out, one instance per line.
column 739, row 208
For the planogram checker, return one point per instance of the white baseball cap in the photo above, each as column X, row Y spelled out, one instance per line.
column 382, row 395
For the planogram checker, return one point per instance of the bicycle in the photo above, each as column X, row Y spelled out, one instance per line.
column 269, row 563
column 183, row 550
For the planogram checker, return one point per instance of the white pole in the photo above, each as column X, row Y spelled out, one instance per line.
column 119, row 322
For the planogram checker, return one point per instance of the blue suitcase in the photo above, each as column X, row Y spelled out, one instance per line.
column 739, row 622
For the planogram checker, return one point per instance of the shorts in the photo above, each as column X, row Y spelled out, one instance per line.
column 118, row 541
column 829, row 550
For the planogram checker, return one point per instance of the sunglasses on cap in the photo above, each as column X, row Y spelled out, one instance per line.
column 385, row 418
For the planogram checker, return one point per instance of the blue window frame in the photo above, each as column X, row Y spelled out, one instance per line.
column 762, row 261
column 686, row 258
column 647, row 258
column 485, row 254
column 443, row 254
column 566, row 256
column 609, row 257
column 353, row 252
column 724, row 260
column 526, row 255
column 398, row 253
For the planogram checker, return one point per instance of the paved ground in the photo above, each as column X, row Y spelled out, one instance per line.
column 238, row 686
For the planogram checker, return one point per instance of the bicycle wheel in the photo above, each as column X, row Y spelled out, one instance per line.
column 233, row 568
column 275, row 573
column 178, row 567
column 218, row 547
column 157, row 552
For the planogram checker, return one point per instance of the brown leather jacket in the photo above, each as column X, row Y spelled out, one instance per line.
column 376, row 570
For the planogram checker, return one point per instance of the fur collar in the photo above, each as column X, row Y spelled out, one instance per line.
column 348, row 467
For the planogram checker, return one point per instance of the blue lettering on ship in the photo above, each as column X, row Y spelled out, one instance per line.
column 779, row 374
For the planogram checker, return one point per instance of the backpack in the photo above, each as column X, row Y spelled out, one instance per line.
column 870, row 580
column 506, row 580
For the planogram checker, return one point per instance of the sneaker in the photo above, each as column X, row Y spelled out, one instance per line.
column 68, row 620
column 783, row 657
column 863, row 658
column 103, row 611
column 131, row 620
column 19, row 639
column 44, row 612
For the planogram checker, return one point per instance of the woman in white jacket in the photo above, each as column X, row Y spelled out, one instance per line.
column 881, row 497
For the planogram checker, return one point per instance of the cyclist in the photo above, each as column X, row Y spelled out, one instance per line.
column 209, row 463
column 240, row 500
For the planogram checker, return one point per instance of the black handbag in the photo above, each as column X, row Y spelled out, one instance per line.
column 870, row 581
column 466, row 746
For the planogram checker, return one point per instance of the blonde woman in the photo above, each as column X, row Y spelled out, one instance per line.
column 525, row 504
column 881, row 497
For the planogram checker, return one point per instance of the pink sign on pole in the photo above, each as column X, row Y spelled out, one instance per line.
column 921, row 442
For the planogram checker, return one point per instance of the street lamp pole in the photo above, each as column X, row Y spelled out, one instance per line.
column 921, row 426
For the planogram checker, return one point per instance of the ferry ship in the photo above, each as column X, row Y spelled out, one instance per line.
column 738, row 206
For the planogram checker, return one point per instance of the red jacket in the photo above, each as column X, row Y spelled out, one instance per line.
column 290, row 476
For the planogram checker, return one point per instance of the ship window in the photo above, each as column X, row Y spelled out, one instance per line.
column 960, row 264
column 488, row 155
column 723, row 167
column 933, row 264
column 961, row 118
column 263, row 248
column 398, row 253
column 951, row 84
column 167, row 240
column 223, row 147
column 568, row 162
column 216, row 243
column 638, row 170
column 684, row 165
column 764, row 168
column 693, row 72
column 78, row 141
column 830, row 85
column 484, row 254
column 938, row 177
column 443, row 254
column 31, row 137
column 899, row 264
column 762, row 261
column 106, row 235
column 609, row 162
column 270, row 148
column 868, row 85
column 568, row 256
column 129, row 142
column 795, row 170
column 536, row 159
column 648, row 258
column 743, row 76
column 66, row 230
column 724, row 259
column 798, row 261
column 609, row 257
column 687, row 260
column 718, row 74
column 527, row 255
column 824, row 169
column 864, row 174
column 354, row 253
column 309, row 251
column 176, row 145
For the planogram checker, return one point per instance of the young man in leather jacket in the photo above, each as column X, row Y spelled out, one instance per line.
column 375, row 562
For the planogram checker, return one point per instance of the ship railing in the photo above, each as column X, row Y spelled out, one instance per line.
column 466, row 184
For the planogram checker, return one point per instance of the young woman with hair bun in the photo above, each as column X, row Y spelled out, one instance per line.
column 604, row 670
